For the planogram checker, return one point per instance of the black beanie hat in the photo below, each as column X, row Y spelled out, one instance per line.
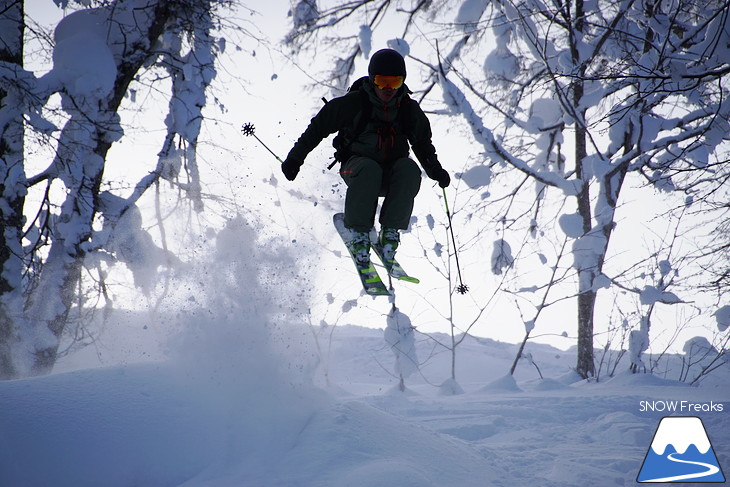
column 387, row 62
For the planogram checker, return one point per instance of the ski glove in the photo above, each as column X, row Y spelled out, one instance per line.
column 290, row 168
column 439, row 174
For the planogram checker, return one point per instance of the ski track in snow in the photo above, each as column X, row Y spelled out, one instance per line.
column 541, row 439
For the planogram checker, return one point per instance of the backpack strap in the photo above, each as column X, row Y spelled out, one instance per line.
column 347, row 135
column 366, row 112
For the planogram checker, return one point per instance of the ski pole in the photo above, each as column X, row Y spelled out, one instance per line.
column 248, row 129
column 461, row 288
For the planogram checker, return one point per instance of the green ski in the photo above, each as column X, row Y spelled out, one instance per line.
column 394, row 268
column 371, row 282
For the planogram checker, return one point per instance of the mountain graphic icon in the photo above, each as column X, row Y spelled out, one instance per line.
column 681, row 452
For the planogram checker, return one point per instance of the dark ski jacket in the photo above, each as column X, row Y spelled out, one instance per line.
column 386, row 136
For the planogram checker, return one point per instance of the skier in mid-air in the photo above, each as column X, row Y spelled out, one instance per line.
column 376, row 120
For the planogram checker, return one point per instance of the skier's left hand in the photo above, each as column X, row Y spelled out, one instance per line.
column 439, row 174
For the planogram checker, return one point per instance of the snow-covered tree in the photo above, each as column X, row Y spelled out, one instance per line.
column 12, row 178
column 577, row 97
column 400, row 337
column 97, row 53
column 713, row 212
column 641, row 91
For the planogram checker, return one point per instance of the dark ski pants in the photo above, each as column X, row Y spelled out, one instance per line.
column 367, row 180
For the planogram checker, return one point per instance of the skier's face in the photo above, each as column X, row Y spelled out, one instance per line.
column 386, row 86
column 386, row 94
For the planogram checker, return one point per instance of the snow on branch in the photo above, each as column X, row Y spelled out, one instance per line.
column 26, row 94
column 458, row 104
column 124, row 236
column 501, row 256
column 191, row 73
column 722, row 316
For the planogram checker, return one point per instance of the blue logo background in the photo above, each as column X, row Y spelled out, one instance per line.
column 690, row 465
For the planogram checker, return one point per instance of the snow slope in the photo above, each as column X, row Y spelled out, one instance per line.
column 219, row 420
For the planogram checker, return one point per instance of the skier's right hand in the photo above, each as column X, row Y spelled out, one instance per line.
column 290, row 168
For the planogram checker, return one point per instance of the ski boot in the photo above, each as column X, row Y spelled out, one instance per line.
column 388, row 240
column 359, row 246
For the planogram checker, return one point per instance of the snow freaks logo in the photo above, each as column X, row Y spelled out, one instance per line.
column 680, row 452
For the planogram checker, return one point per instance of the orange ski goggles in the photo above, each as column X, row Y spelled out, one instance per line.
column 388, row 82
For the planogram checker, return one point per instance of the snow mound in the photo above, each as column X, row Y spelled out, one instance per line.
column 627, row 378
column 503, row 384
column 569, row 378
column 450, row 388
column 544, row 385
